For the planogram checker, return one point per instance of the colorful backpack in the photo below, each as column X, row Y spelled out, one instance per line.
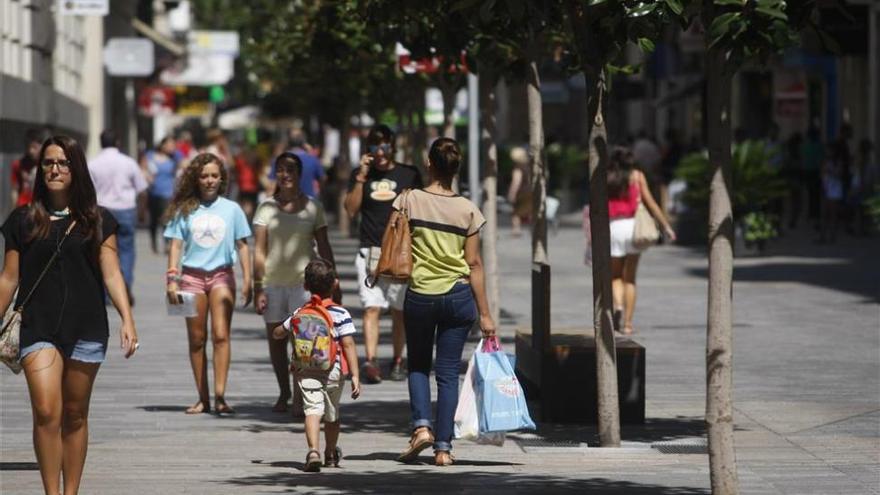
column 313, row 336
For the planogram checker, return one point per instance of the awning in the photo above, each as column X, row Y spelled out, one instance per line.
column 158, row 38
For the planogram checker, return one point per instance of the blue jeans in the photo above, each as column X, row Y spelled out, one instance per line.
column 449, row 317
column 83, row 350
column 125, row 239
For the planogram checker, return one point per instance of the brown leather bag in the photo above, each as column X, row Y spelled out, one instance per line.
column 395, row 261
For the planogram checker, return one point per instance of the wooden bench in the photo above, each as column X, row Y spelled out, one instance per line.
column 563, row 383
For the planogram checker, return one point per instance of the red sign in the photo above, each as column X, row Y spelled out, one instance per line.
column 156, row 100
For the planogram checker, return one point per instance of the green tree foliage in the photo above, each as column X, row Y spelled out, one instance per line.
column 755, row 182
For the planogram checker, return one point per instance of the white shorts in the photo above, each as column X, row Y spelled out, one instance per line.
column 385, row 294
column 321, row 396
column 622, row 231
column 281, row 302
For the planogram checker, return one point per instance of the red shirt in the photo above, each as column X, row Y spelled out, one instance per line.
column 24, row 174
column 247, row 176
column 626, row 205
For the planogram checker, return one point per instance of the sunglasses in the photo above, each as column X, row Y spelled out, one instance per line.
column 386, row 148
column 49, row 164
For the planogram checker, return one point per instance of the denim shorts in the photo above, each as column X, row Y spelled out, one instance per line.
column 86, row 351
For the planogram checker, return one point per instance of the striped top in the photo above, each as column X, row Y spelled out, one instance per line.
column 440, row 224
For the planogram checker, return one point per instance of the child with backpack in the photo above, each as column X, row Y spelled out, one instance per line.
column 322, row 333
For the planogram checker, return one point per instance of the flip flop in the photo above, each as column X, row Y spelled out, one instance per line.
column 221, row 407
column 198, row 408
column 280, row 406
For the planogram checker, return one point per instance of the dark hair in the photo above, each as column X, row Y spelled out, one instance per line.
column 445, row 159
column 289, row 157
column 620, row 167
column 33, row 136
column 164, row 140
column 320, row 277
column 380, row 133
column 186, row 197
column 83, row 202
column 108, row 139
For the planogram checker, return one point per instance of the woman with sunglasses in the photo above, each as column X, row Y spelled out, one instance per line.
column 206, row 231
column 64, row 328
column 371, row 190
column 287, row 227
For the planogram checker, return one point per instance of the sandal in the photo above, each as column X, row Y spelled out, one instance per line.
column 443, row 458
column 221, row 407
column 332, row 458
column 280, row 405
column 421, row 439
column 313, row 462
column 199, row 407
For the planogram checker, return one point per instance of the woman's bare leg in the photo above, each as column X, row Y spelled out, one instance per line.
column 617, row 282
column 221, row 301
column 43, row 370
column 630, row 268
column 76, row 393
column 197, row 333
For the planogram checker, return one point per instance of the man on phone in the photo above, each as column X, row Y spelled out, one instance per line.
column 371, row 190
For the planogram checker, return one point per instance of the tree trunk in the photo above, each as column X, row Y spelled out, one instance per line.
column 490, row 191
column 536, row 159
column 600, row 238
column 719, row 339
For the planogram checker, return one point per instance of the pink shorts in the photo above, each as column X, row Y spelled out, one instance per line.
column 201, row 281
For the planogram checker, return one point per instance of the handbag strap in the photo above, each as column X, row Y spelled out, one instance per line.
column 46, row 268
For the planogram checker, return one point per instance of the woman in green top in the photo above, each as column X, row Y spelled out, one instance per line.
column 446, row 296
column 286, row 229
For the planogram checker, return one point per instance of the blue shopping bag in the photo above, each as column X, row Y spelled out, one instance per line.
column 501, row 402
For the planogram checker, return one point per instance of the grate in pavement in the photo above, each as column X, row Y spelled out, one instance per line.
column 19, row 466
column 532, row 444
column 689, row 446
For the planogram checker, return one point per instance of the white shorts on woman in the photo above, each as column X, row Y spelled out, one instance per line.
column 281, row 302
column 622, row 232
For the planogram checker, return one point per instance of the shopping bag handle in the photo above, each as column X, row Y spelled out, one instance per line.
column 491, row 344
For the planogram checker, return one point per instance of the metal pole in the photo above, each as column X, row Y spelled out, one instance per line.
column 131, row 109
column 474, row 138
column 874, row 75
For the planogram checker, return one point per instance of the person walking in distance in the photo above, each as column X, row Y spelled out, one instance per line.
column 160, row 166
column 446, row 296
column 627, row 186
column 287, row 226
column 119, row 183
column 64, row 328
column 24, row 170
column 206, row 231
column 371, row 191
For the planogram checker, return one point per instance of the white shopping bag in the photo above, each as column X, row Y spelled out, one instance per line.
column 467, row 424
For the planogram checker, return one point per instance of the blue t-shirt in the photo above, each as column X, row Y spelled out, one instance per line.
column 209, row 234
column 163, row 172
column 312, row 172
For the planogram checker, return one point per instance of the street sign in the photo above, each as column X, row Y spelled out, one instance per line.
column 84, row 7
column 213, row 42
column 205, row 70
column 129, row 57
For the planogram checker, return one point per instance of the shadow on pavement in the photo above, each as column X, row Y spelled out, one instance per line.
column 434, row 480
column 851, row 276
column 654, row 430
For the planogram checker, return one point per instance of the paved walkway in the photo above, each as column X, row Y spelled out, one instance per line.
column 807, row 378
